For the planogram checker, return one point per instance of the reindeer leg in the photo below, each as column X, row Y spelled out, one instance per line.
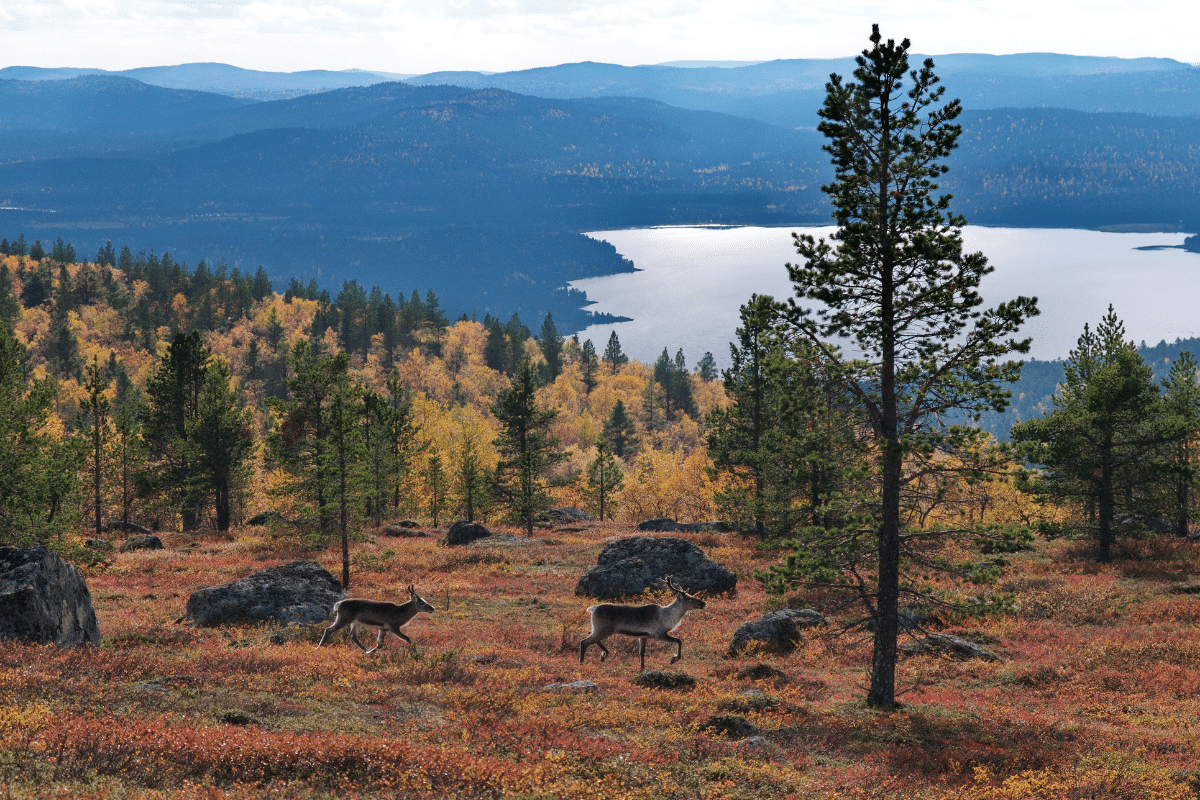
column 378, row 640
column 354, row 637
column 642, row 651
column 332, row 629
column 678, row 646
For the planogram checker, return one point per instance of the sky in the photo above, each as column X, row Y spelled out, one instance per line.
column 403, row 36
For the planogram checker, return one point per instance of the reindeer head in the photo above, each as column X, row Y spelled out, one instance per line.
column 689, row 601
column 413, row 597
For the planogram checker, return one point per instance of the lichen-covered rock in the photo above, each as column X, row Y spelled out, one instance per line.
column 44, row 599
column 948, row 645
column 267, row 518
column 302, row 592
column 734, row 726
column 145, row 542
column 566, row 515
column 634, row 565
column 660, row 679
column 776, row 631
column 574, row 687
column 668, row 525
column 403, row 531
column 463, row 532
column 125, row 527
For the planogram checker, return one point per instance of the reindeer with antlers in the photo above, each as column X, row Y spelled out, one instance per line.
column 376, row 614
column 649, row 621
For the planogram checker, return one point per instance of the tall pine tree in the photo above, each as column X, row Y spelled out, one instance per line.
column 895, row 281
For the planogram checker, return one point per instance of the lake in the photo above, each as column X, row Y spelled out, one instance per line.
column 693, row 281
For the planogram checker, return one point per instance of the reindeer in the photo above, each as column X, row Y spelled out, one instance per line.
column 377, row 614
column 645, row 622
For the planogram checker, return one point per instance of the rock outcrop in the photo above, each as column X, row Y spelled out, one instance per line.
column 776, row 631
column 146, row 541
column 463, row 532
column 567, row 515
column 302, row 592
column 950, row 646
column 44, row 599
column 634, row 565
column 668, row 525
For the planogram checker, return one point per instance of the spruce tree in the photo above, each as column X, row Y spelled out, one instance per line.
column 613, row 355
column 172, row 405
column 10, row 307
column 40, row 477
column 343, row 453
column 551, row 343
column 436, row 485
column 1097, row 448
column 1181, row 407
column 300, row 442
column 527, row 449
column 604, row 479
column 402, row 441
column 470, row 481
column 130, row 449
column 621, row 432
column 221, row 443
column 96, row 406
column 787, row 437
column 588, row 364
column 895, row 281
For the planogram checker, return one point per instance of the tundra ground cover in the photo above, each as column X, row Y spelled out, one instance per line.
column 1096, row 695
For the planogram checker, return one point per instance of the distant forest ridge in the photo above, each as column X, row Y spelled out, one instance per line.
column 482, row 194
column 1032, row 396
column 1087, row 83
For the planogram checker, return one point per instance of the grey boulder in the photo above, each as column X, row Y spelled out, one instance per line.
column 44, row 600
column 776, row 631
column 634, row 565
column 950, row 646
column 463, row 532
column 302, row 592
column 144, row 542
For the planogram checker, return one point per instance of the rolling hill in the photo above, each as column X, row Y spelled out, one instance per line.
column 411, row 185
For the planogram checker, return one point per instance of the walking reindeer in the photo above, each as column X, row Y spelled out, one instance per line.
column 376, row 614
column 650, row 621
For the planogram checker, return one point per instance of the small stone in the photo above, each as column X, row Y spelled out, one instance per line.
column 144, row 542
column 574, row 687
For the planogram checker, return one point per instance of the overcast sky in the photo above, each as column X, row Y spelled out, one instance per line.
column 499, row 35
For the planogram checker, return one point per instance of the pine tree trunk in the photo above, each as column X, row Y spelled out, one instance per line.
column 96, row 476
column 882, row 693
